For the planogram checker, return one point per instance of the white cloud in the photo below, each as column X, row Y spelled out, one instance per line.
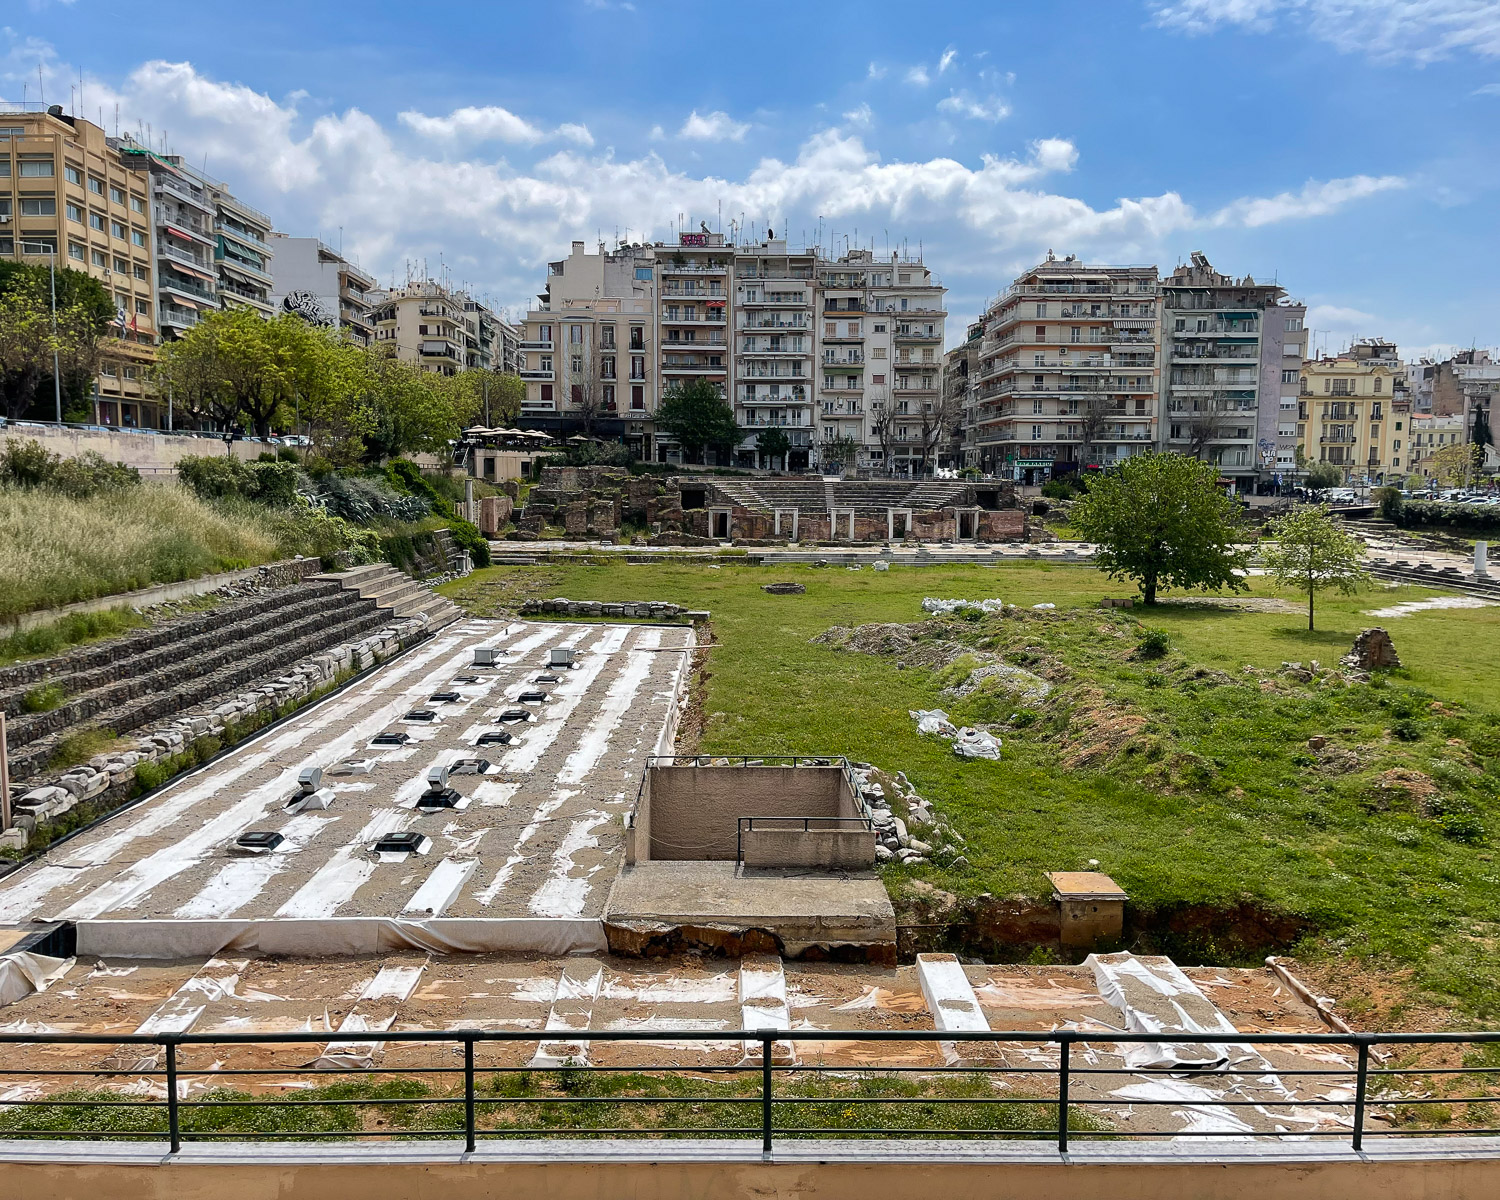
column 495, row 220
column 965, row 105
column 575, row 133
column 876, row 71
column 918, row 76
column 947, row 60
column 712, row 127
column 1314, row 200
column 488, row 124
column 1489, row 89
column 1421, row 31
column 862, row 115
column 657, row 134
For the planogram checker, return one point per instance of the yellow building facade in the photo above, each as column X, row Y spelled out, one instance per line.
column 1346, row 414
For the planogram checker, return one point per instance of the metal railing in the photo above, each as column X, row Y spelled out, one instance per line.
column 795, row 824
column 195, row 1107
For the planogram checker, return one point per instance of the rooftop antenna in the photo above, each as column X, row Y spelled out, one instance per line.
column 40, row 86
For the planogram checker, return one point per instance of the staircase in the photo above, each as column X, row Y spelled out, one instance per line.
column 396, row 594
column 129, row 682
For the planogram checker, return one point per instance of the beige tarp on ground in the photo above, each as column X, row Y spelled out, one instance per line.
column 23, row 973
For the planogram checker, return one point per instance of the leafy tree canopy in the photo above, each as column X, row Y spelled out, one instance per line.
column 1312, row 553
column 773, row 443
column 1162, row 520
column 698, row 417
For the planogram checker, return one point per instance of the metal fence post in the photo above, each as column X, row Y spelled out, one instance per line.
column 1062, row 1096
column 1361, row 1078
column 469, row 1094
column 172, row 1123
column 766, row 1038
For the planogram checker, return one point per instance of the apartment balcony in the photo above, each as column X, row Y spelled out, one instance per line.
column 186, row 232
column 248, row 236
column 833, row 312
column 539, row 375
column 692, row 367
column 774, row 273
column 718, row 318
column 235, row 264
column 1249, row 353
column 688, row 345
column 1216, row 330
column 1338, row 439
column 1080, row 288
column 773, row 351
column 783, row 422
column 797, row 323
column 776, row 300
column 788, row 370
column 918, row 337
column 915, row 390
column 680, row 291
column 847, row 360
column 173, row 317
column 667, row 268
column 184, row 192
column 544, row 347
column 165, row 283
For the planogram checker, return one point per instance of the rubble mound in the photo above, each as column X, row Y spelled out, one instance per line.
column 784, row 589
column 1372, row 649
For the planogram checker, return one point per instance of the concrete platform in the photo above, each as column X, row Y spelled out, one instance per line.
column 793, row 910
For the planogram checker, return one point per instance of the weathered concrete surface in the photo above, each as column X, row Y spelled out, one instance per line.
column 1416, row 1169
column 805, row 913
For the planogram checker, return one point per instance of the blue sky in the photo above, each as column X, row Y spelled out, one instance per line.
column 1345, row 147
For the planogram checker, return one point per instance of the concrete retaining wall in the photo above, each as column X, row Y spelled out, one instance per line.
column 149, row 452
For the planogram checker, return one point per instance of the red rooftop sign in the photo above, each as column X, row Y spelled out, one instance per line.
column 692, row 239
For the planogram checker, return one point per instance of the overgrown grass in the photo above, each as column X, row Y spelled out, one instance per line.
column 688, row 1105
column 80, row 746
column 73, row 630
column 1214, row 801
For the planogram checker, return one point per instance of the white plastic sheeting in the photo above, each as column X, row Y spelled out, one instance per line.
column 164, row 939
column 976, row 743
column 934, row 722
column 24, row 972
column 931, row 605
column 1154, row 996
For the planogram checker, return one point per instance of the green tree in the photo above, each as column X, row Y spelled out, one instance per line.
column 1161, row 519
column 1322, row 475
column 698, row 417
column 839, row 452
column 394, row 407
column 1479, row 434
column 506, row 393
column 84, row 313
column 1312, row 553
column 774, row 444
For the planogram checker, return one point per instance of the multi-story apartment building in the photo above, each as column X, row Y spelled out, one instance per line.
column 1231, row 362
column 1427, row 434
column 315, row 281
column 693, row 315
column 1069, row 370
column 587, row 351
column 960, row 379
column 881, row 332
column 1344, row 411
column 774, row 331
column 437, row 327
column 67, row 195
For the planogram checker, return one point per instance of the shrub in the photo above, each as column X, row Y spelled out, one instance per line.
column 1481, row 518
column 266, row 481
column 1154, row 643
column 467, row 537
column 31, row 465
column 43, row 698
column 1390, row 502
column 363, row 499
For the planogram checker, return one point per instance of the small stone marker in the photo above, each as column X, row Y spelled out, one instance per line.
column 783, row 589
column 1373, row 648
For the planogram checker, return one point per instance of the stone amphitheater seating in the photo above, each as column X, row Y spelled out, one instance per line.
column 128, row 682
column 812, row 495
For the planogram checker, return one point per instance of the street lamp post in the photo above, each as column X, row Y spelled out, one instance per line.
column 51, row 252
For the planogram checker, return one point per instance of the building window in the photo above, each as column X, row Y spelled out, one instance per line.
column 546, row 393
column 643, row 272
column 121, row 266
column 96, row 221
column 637, row 367
column 877, row 380
column 1379, row 384
column 607, row 366
column 75, row 213
column 1041, row 333
column 142, row 308
column 638, row 394
column 140, row 271
column 97, row 258
column 545, row 363
column 72, row 174
column 96, row 186
column 116, row 230
column 137, row 204
column 1041, row 310
column 577, row 364
column 75, row 251
column 116, row 195
column 38, row 168
column 607, row 337
column 575, row 335
column 607, row 396
column 1294, row 324
column 38, row 207
column 880, row 327
column 1289, row 377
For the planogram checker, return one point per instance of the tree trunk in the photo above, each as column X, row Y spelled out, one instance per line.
column 1310, row 595
column 1148, row 587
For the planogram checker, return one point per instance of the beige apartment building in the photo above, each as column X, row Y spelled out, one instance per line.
column 1345, row 414
column 587, row 348
column 1069, row 372
column 67, row 195
column 439, row 328
column 693, row 316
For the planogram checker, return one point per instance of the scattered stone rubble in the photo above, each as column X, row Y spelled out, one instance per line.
column 112, row 775
column 784, row 589
column 636, row 610
column 893, row 838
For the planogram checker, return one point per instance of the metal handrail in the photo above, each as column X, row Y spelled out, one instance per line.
column 1065, row 1104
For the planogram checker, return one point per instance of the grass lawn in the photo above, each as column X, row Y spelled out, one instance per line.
column 1190, row 780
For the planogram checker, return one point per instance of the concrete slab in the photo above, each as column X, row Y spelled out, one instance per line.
column 801, row 909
